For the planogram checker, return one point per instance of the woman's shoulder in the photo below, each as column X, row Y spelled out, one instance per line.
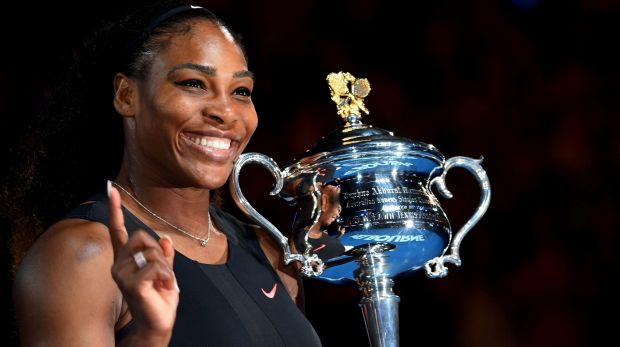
column 65, row 280
column 76, row 241
column 69, row 243
column 71, row 252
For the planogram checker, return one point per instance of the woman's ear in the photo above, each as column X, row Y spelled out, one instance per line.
column 124, row 95
column 324, row 202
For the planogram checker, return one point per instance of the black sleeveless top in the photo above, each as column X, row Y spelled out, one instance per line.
column 240, row 303
column 326, row 246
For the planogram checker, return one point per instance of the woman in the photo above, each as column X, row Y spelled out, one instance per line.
column 323, row 244
column 184, row 272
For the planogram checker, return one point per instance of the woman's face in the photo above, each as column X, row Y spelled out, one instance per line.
column 194, row 113
column 332, row 212
column 331, row 208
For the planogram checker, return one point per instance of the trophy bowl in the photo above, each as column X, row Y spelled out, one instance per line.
column 365, row 207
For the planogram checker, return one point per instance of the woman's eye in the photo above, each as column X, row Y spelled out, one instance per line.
column 191, row 83
column 243, row 91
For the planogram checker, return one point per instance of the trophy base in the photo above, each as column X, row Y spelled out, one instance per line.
column 379, row 304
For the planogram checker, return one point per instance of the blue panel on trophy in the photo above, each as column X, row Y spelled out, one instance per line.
column 413, row 249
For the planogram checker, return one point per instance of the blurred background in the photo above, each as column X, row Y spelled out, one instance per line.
column 531, row 85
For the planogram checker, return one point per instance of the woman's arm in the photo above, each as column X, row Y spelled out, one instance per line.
column 69, row 288
column 64, row 292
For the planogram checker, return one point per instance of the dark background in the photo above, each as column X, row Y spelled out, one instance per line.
column 531, row 85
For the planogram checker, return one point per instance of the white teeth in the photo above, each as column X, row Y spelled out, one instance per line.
column 213, row 142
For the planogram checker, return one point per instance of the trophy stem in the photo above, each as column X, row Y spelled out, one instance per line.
column 379, row 304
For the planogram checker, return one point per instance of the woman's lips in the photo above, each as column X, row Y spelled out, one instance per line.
column 216, row 148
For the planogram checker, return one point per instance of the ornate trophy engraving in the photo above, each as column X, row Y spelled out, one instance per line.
column 365, row 209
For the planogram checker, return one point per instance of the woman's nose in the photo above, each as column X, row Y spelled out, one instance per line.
column 220, row 110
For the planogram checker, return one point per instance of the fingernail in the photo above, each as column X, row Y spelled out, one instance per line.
column 166, row 237
column 176, row 286
column 109, row 188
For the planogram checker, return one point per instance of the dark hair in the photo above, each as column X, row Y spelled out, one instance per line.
column 74, row 142
column 149, row 33
column 334, row 199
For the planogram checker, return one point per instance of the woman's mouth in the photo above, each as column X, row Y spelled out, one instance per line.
column 216, row 148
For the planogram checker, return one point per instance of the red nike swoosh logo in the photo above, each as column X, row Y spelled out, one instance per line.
column 320, row 247
column 272, row 292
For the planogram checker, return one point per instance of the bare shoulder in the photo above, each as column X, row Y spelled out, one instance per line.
column 64, row 283
column 68, row 244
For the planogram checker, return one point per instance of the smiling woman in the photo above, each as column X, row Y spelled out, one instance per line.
column 192, row 114
column 183, row 272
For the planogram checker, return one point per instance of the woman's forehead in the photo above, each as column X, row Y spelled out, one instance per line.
column 206, row 44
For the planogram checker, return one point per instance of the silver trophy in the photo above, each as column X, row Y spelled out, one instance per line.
column 365, row 208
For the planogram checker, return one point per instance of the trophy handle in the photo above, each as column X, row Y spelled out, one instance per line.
column 473, row 166
column 311, row 264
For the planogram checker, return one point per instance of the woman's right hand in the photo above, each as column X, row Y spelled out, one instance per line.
column 151, row 291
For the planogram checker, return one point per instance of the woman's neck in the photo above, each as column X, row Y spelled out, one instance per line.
column 185, row 207
column 315, row 231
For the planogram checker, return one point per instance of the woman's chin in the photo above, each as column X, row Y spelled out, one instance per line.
column 211, row 184
column 212, row 178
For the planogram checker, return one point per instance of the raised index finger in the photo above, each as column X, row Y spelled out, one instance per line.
column 118, row 232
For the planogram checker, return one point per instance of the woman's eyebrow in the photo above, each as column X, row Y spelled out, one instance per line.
column 243, row 74
column 209, row 70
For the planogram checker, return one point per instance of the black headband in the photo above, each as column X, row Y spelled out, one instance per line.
column 142, row 35
column 171, row 12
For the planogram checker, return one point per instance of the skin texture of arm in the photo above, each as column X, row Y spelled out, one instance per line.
column 64, row 293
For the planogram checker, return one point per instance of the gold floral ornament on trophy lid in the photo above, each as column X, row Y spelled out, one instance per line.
column 348, row 93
